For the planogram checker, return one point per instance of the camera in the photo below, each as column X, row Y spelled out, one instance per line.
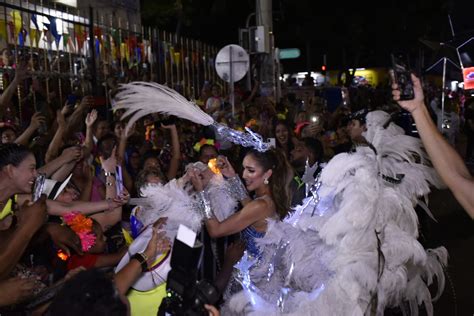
column 185, row 294
column 401, row 75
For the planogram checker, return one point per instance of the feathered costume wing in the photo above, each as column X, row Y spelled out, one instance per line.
column 351, row 248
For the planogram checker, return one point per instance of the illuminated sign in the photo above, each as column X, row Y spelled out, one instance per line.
column 468, row 76
column 289, row 53
column 71, row 3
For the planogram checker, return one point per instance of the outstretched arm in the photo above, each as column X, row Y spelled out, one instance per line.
column 20, row 74
column 128, row 275
column 447, row 162
column 57, row 141
column 36, row 120
column 175, row 152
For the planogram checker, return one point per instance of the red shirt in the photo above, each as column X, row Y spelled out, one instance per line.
column 87, row 261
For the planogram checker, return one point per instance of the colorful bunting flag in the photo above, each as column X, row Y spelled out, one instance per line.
column 17, row 22
column 3, row 30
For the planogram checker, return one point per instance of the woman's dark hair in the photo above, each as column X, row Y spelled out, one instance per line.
column 90, row 292
column 13, row 154
column 279, row 182
column 150, row 154
column 291, row 146
column 115, row 123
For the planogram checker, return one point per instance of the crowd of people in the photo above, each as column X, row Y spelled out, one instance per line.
column 94, row 165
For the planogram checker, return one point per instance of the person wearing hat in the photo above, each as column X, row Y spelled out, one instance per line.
column 357, row 126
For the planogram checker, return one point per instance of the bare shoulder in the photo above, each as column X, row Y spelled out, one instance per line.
column 260, row 206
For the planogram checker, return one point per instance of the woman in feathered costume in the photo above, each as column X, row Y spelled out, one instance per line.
column 351, row 248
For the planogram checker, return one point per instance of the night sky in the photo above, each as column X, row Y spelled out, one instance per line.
column 350, row 33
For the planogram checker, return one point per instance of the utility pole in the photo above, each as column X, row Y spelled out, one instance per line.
column 264, row 17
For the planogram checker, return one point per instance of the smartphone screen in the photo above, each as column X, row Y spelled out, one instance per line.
column 38, row 187
column 401, row 75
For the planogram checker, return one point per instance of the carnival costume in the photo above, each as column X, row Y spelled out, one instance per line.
column 351, row 248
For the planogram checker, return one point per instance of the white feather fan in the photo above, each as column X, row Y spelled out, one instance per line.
column 143, row 98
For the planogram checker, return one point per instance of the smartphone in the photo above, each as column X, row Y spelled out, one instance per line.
column 272, row 142
column 314, row 119
column 401, row 75
column 38, row 186
column 71, row 100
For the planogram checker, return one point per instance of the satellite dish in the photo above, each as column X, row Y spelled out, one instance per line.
column 232, row 63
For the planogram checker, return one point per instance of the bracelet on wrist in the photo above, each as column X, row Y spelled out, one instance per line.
column 142, row 259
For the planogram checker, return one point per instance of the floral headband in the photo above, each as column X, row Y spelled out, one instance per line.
column 205, row 141
column 82, row 226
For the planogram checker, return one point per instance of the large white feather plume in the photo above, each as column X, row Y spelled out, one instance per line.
column 143, row 98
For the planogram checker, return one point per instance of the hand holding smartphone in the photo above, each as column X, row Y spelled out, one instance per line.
column 401, row 75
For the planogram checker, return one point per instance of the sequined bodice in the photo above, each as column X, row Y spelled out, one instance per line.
column 249, row 236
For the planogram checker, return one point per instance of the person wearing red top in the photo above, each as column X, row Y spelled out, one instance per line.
column 95, row 256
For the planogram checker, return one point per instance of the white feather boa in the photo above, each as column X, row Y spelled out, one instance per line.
column 178, row 204
column 356, row 251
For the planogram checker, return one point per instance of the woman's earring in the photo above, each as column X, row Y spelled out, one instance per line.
column 265, row 181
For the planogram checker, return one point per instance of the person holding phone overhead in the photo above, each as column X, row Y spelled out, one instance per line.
column 447, row 162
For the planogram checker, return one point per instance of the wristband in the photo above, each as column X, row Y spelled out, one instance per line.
column 141, row 258
column 109, row 174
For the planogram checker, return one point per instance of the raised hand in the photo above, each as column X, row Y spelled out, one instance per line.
column 64, row 238
column 91, row 118
column 410, row 105
column 86, row 102
column 225, row 167
column 73, row 153
column 109, row 164
column 36, row 120
column 122, row 198
column 158, row 243
column 16, row 290
column 60, row 117
column 196, row 180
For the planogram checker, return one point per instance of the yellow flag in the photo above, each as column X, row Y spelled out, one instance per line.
column 122, row 50
column 125, row 52
column 3, row 30
column 177, row 57
column 17, row 22
column 172, row 54
column 34, row 37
